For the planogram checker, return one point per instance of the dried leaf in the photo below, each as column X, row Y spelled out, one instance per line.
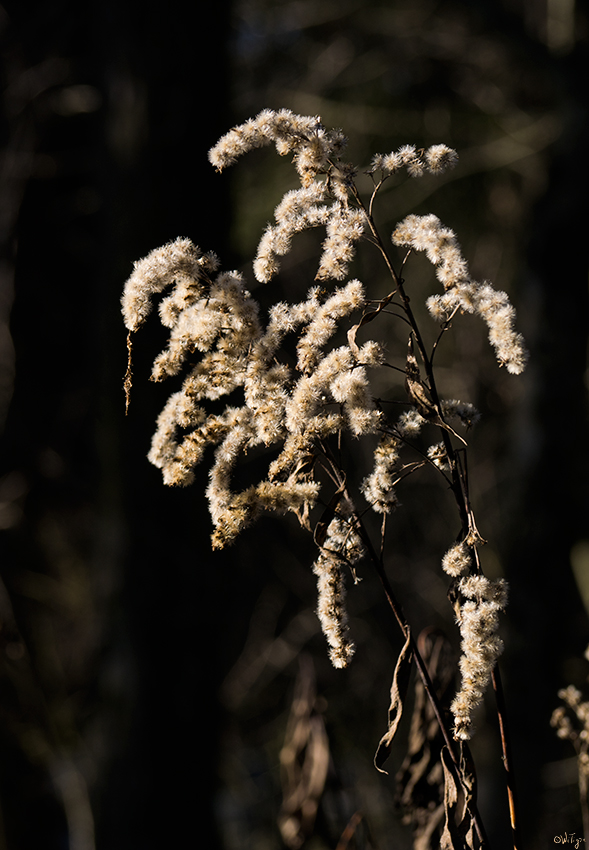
column 304, row 761
column 450, row 839
column 418, row 393
column 458, row 832
column 420, row 784
column 367, row 317
column 398, row 694
column 424, row 835
column 415, row 387
column 128, row 380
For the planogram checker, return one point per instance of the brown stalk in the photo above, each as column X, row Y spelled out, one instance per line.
column 419, row 662
column 349, row 831
column 459, row 488
column 399, row 283
column 505, row 746
column 426, row 680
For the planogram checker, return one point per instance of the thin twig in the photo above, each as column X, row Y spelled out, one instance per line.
column 377, row 562
column 426, row 681
column 459, row 486
column 128, row 379
column 506, row 748
column 349, row 831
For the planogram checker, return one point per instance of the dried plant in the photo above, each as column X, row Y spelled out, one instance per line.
column 304, row 761
column 571, row 721
column 302, row 403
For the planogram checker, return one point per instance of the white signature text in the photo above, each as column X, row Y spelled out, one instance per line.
column 569, row 838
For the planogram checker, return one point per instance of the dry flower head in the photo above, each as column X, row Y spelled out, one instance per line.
column 228, row 351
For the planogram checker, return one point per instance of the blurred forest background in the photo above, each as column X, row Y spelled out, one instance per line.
column 145, row 682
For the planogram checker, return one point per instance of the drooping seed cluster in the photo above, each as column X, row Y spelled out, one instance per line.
column 216, row 322
column 179, row 263
column 378, row 487
column 435, row 160
column 230, row 352
column 304, row 208
column 428, row 234
column 303, row 136
column 480, row 603
column 340, row 552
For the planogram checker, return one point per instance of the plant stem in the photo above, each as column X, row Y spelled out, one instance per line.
column 427, row 363
column 459, row 488
column 419, row 662
column 425, row 678
column 506, row 748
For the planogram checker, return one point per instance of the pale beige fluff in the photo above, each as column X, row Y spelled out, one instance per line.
column 179, row 260
column 319, row 331
column 426, row 233
column 344, row 228
column 457, row 560
column 482, row 600
column 341, row 551
column 378, row 487
column 297, row 378
column 303, row 136
column 217, row 336
column 435, row 160
column 299, row 210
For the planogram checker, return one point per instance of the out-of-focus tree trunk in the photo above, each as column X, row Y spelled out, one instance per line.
column 547, row 512
column 108, row 716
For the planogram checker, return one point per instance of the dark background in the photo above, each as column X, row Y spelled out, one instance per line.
column 129, row 716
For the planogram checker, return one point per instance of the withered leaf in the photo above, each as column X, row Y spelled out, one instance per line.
column 419, row 395
column 367, row 317
column 458, row 832
column 399, row 688
column 450, row 839
column 420, row 780
column 304, row 761
column 415, row 387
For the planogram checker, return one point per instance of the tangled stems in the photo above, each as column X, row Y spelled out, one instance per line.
column 429, row 689
column 459, row 486
column 377, row 563
column 232, row 352
column 457, row 483
column 469, row 533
